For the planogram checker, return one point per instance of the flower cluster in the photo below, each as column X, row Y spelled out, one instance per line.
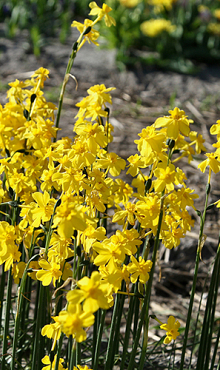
column 57, row 196
column 155, row 27
column 63, row 189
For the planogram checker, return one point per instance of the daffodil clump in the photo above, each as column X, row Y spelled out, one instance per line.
column 55, row 202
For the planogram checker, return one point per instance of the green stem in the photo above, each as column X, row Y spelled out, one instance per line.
column 94, row 336
column 72, row 357
column 128, row 329
column 145, row 341
column 118, row 326
column 195, row 336
column 215, row 350
column 78, row 353
column 69, row 349
column 200, row 244
column 41, row 312
column 98, row 340
column 59, row 352
column 208, row 321
column 111, row 344
column 20, row 309
column 145, row 307
column 136, row 312
column 7, row 318
column 75, row 48
column 2, row 289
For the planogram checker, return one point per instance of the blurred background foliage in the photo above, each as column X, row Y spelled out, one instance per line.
column 41, row 18
column 173, row 34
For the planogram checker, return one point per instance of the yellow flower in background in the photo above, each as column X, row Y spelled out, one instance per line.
column 154, row 27
column 122, row 191
column 35, row 267
column 171, row 329
column 102, row 12
column 160, row 5
column 203, row 8
column 216, row 13
column 130, row 3
column 214, row 28
column 109, row 253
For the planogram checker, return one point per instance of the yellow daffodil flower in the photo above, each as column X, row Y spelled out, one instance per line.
column 102, row 12
column 93, row 292
column 139, row 269
column 171, row 329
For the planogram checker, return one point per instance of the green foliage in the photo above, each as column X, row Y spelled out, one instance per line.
column 42, row 18
column 194, row 37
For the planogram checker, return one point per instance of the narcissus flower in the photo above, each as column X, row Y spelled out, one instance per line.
column 139, row 269
column 160, row 5
column 17, row 271
column 130, row 3
column 154, row 27
column 198, row 140
column 94, row 292
column 91, row 36
column 135, row 162
column 44, row 208
column 41, row 75
column 176, row 123
column 74, row 320
column 166, row 177
column 52, row 331
column 51, row 366
column 171, row 328
column 112, row 162
column 12, row 254
column 102, row 12
column 151, row 142
column 50, row 271
column 211, row 161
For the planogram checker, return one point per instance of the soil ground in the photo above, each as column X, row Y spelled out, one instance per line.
column 141, row 96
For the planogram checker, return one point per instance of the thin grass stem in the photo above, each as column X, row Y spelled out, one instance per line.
column 198, row 254
column 7, row 319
